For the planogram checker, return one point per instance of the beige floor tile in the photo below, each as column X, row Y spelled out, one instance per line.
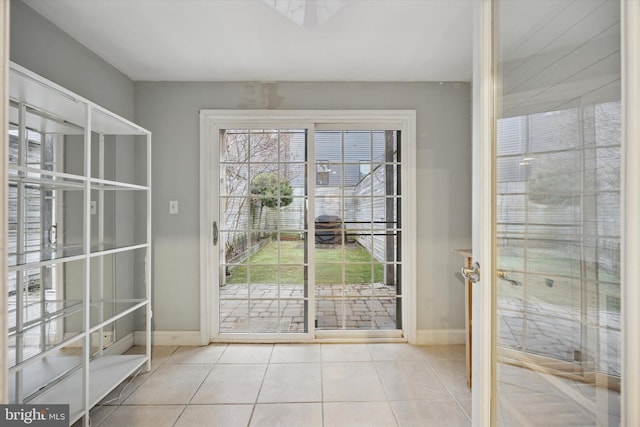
column 448, row 365
column 287, row 415
column 161, row 352
column 246, row 353
column 358, row 414
column 456, row 384
column 295, row 353
column 97, row 415
column 215, row 415
column 452, row 374
column 170, row 384
column 411, row 380
column 144, row 416
column 431, row 352
column 466, row 406
column 345, row 353
column 158, row 353
column 295, row 385
column 204, row 354
column 229, row 383
column 124, row 389
column 394, row 351
column 292, row 382
column 457, row 387
column 429, row 413
column 350, row 382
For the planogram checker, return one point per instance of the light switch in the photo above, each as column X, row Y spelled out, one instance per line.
column 173, row 207
column 94, row 208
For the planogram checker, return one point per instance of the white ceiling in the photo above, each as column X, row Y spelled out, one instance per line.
column 273, row 40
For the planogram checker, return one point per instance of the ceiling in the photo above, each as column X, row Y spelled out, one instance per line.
column 273, row 40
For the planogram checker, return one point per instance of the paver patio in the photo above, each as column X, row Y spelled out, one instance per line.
column 359, row 311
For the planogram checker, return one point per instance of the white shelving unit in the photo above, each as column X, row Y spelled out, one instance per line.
column 79, row 248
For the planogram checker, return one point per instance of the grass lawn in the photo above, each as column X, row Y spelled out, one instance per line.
column 358, row 267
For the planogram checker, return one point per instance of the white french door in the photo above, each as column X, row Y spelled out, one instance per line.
column 305, row 224
column 555, row 213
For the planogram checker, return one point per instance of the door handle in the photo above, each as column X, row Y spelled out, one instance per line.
column 472, row 273
column 53, row 229
column 215, row 233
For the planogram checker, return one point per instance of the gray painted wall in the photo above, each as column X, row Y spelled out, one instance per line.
column 170, row 110
column 40, row 46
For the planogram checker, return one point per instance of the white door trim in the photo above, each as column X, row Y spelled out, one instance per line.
column 4, row 118
column 205, row 231
column 404, row 120
column 482, row 217
column 630, row 245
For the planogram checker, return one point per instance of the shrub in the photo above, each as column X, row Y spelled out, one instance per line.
column 271, row 190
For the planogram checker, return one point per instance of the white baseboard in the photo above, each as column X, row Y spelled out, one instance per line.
column 107, row 339
column 110, row 347
column 440, row 336
column 193, row 338
column 168, row 338
column 120, row 346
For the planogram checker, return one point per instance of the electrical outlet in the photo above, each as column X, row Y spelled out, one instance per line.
column 173, row 207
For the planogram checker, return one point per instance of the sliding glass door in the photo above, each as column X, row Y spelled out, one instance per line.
column 307, row 231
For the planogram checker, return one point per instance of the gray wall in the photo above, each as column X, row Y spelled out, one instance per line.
column 170, row 110
column 40, row 46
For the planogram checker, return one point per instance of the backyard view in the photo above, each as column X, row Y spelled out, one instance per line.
column 268, row 249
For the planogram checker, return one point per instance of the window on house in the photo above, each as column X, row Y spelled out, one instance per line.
column 322, row 172
column 365, row 168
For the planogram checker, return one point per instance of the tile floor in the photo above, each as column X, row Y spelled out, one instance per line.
column 330, row 385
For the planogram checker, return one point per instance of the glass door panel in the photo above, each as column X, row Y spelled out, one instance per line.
column 269, row 244
column 357, row 230
column 263, row 231
column 557, row 204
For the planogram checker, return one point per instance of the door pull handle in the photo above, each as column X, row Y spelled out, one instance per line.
column 472, row 273
column 215, row 233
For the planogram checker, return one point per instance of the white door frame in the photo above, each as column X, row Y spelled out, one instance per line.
column 211, row 120
column 4, row 119
column 482, row 212
column 630, row 255
column 483, row 392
